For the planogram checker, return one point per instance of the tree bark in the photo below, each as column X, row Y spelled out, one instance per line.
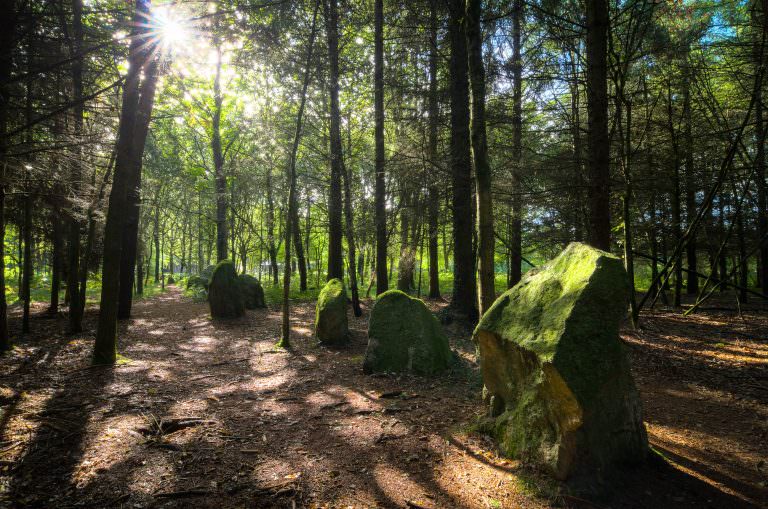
column 156, row 236
column 75, row 318
column 271, row 246
column 335, row 260
column 597, row 112
column 26, row 279
column 516, row 240
column 130, row 236
column 292, row 217
column 218, row 160
column 464, row 299
column 56, row 259
column 105, row 348
column 692, row 283
column 675, row 199
column 486, row 240
column 380, row 192
column 350, row 234
column 761, row 26
column 433, row 207
column 298, row 245
column 7, row 45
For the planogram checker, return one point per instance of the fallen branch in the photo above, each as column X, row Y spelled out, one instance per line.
column 222, row 363
column 167, row 426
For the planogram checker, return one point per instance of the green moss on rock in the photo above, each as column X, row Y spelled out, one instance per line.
column 404, row 336
column 224, row 295
column 252, row 292
column 331, row 326
column 557, row 376
column 197, row 282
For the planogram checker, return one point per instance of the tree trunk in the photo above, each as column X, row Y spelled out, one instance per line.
column 760, row 132
column 692, row 284
column 7, row 45
column 140, row 269
column 26, row 279
column 130, row 234
column 91, row 235
column 380, row 193
column 271, row 247
column 56, row 259
column 597, row 110
column 743, row 260
column 156, row 237
column 350, row 234
column 105, row 348
column 516, row 240
column 335, row 260
column 218, row 162
column 292, row 217
column 75, row 323
column 464, row 299
column 299, row 246
column 433, row 207
column 405, row 264
column 486, row 241
column 675, row 198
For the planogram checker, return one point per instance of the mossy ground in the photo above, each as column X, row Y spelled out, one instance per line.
column 311, row 419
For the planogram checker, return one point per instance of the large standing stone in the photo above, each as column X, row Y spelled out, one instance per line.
column 331, row 325
column 403, row 335
column 224, row 294
column 197, row 282
column 555, row 371
column 252, row 292
column 207, row 273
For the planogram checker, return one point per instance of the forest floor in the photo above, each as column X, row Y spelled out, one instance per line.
column 206, row 414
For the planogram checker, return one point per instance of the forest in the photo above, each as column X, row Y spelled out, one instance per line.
column 416, row 254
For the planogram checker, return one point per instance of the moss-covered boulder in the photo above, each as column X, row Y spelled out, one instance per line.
column 331, row 326
column 556, row 373
column 224, row 295
column 252, row 292
column 207, row 272
column 404, row 336
column 197, row 282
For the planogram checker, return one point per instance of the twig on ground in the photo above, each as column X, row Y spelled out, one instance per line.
column 195, row 492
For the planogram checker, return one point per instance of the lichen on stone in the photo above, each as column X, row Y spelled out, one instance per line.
column 555, row 370
column 331, row 326
column 404, row 336
column 224, row 295
column 252, row 292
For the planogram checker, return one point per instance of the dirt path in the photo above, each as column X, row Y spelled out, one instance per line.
column 206, row 414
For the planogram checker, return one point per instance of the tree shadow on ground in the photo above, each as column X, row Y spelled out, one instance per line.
column 279, row 428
